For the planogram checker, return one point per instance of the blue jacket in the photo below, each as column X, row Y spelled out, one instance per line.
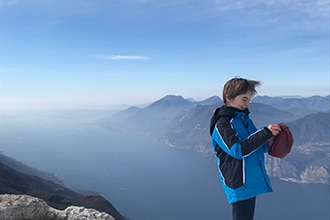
column 240, row 147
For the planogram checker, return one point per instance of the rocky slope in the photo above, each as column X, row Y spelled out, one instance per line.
column 18, row 207
column 57, row 196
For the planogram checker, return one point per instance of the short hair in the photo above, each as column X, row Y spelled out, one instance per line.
column 238, row 86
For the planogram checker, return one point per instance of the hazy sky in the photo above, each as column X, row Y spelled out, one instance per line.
column 100, row 53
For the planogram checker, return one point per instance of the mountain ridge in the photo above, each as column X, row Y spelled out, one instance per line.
column 189, row 130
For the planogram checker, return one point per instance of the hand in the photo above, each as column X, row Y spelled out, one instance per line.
column 274, row 128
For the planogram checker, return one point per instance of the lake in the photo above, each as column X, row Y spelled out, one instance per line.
column 141, row 177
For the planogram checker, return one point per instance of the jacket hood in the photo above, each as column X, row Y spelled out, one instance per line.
column 225, row 111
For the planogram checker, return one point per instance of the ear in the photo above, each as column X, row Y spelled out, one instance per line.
column 228, row 100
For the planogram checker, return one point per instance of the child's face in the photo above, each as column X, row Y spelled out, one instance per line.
column 241, row 101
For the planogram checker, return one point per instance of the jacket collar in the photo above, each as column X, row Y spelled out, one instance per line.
column 231, row 111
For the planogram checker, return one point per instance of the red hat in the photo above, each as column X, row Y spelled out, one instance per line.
column 281, row 144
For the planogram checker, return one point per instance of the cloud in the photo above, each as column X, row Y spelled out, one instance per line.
column 121, row 57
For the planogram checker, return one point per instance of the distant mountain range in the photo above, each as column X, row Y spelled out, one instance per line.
column 18, row 178
column 297, row 105
column 184, row 123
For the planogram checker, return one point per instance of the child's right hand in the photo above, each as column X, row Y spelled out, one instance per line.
column 274, row 128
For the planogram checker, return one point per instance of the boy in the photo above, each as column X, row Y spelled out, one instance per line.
column 240, row 147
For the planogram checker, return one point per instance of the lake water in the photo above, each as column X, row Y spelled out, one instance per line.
column 141, row 177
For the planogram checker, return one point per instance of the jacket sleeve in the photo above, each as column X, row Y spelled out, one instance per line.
column 226, row 138
column 255, row 140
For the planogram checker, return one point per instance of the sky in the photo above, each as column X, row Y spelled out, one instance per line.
column 90, row 54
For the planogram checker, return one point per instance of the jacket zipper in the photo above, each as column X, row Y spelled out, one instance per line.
column 243, row 171
column 245, row 125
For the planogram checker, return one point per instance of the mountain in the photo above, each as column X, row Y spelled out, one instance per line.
column 172, row 104
column 297, row 105
column 191, row 130
column 312, row 128
column 57, row 196
column 184, row 124
column 17, row 165
column 306, row 163
column 210, row 101
column 154, row 119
